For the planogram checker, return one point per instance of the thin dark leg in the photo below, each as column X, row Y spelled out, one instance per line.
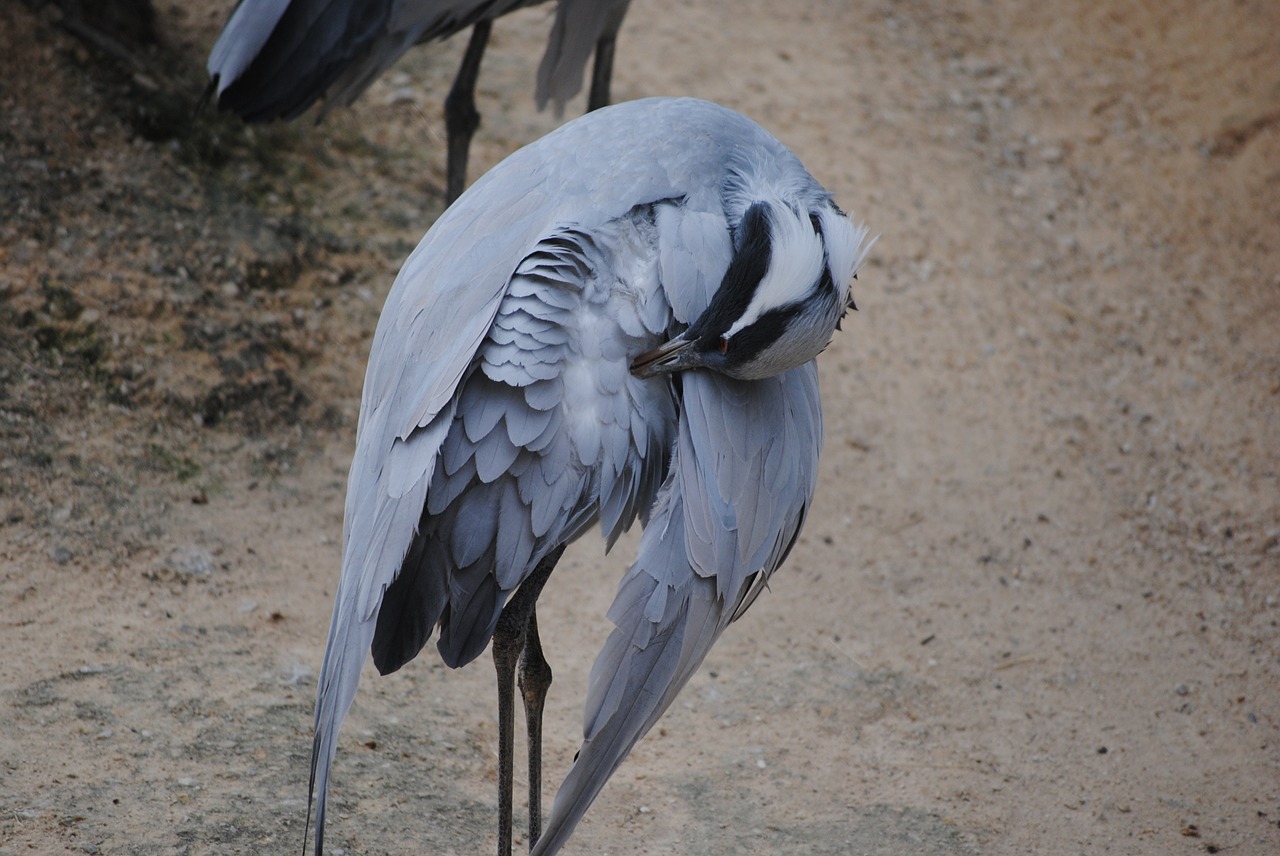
column 460, row 115
column 535, row 680
column 509, row 639
column 506, row 654
column 602, row 72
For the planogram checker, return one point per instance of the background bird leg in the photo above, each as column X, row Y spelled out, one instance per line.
column 602, row 73
column 461, row 118
column 510, row 638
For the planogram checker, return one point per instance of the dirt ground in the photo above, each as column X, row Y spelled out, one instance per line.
column 1035, row 607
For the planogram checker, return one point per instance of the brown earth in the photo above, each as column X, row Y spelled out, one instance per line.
column 1035, row 607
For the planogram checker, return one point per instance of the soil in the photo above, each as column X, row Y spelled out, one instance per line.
column 1035, row 608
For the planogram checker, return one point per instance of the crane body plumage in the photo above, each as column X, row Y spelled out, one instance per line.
column 616, row 323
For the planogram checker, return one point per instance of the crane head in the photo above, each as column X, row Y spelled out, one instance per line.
column 781, row 298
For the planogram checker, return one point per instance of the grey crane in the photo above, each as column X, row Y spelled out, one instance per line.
column 617, row 322
column 276, row 58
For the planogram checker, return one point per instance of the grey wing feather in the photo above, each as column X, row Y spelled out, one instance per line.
column 694, row 573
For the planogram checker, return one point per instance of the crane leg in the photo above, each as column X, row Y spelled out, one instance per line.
column 461, row 118
column 510, row 639
column 535, row 680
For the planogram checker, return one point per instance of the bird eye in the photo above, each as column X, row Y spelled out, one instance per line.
column 724, row 344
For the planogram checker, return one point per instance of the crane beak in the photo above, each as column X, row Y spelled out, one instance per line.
column 673, row 356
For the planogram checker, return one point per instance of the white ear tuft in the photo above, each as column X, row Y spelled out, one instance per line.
column 847, row 247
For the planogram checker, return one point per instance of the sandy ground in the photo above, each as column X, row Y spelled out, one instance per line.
column 1035, row 607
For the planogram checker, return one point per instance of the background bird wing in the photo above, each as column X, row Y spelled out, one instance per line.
column 275, row 58
column 741, row 479
column 243, row 36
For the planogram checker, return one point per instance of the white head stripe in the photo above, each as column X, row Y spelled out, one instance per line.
column 795, row 264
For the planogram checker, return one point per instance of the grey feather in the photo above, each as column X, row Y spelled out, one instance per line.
column 526, row 424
